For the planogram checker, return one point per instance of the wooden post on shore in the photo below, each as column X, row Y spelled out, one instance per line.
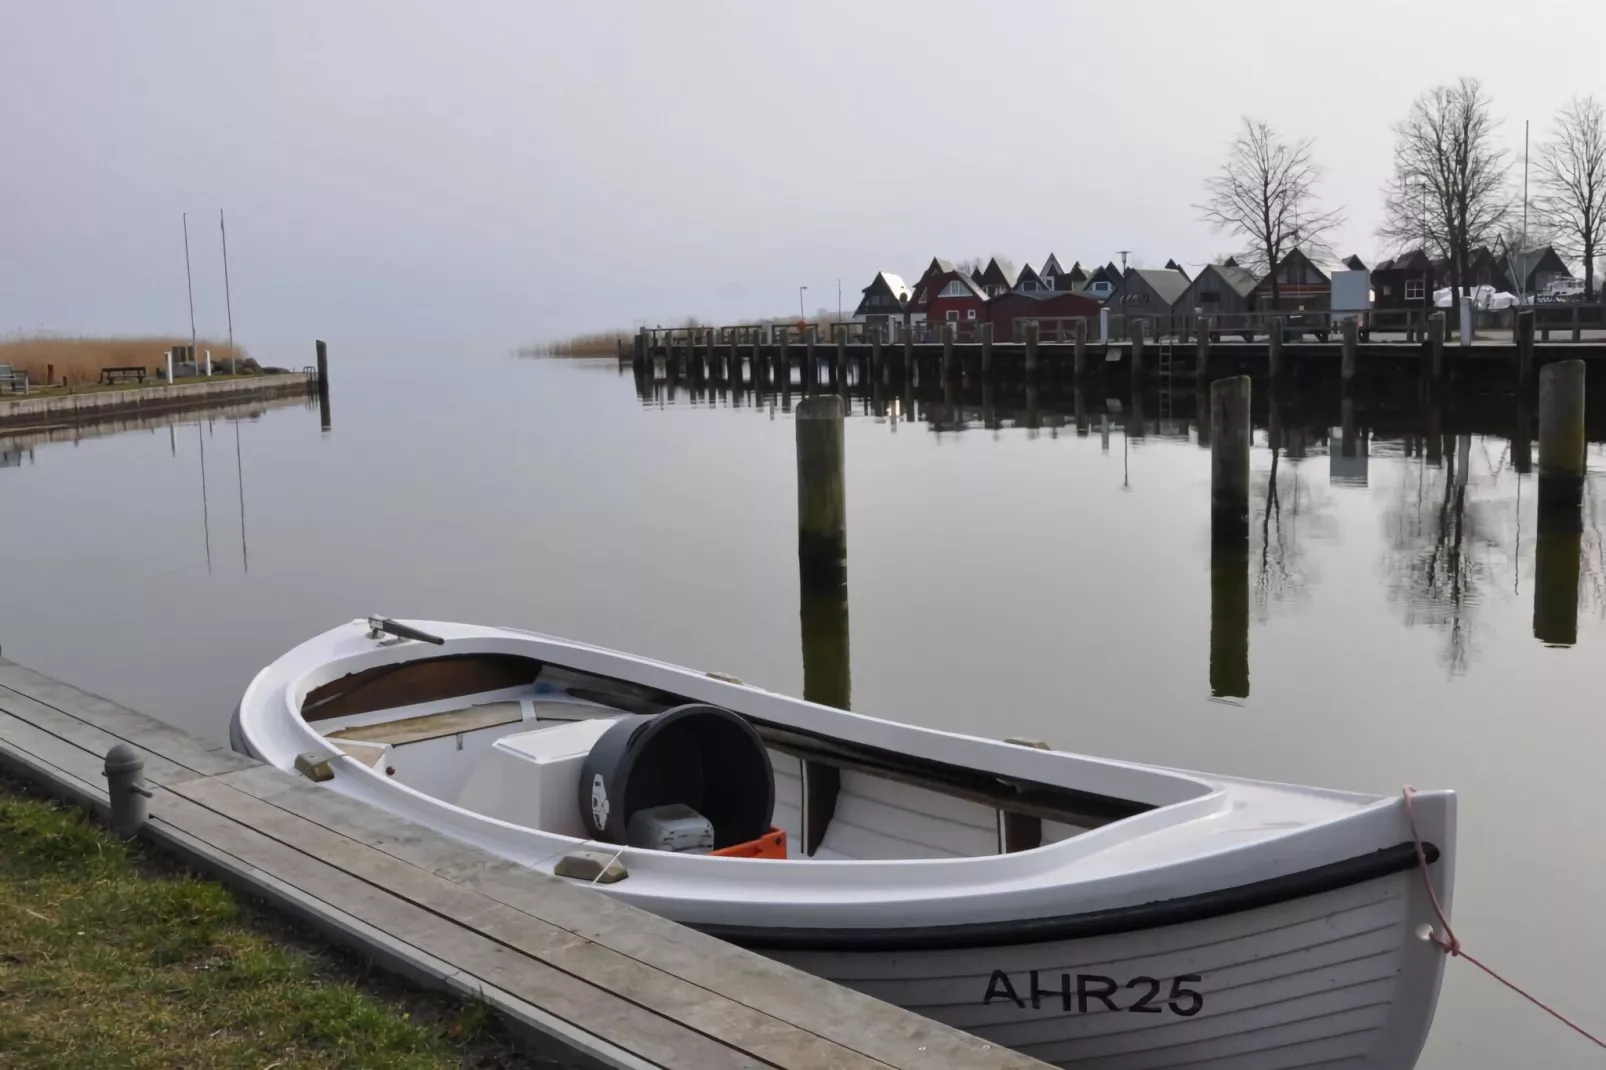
column 1032, row 335
column 986, row 330
column 323, row 386
column 1201, row 355
column 1079, row 349
column 1525, row 349
column 1229, row 537
column 1349, row 331
column 1274, row 347
column 949, row 360
column 1436, row 346
column 821, row 495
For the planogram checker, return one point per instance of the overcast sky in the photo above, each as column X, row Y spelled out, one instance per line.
column 521, row 169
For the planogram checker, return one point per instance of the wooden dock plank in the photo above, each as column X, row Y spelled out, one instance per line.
column 158, row 769
column 849, row 1018
column 642, row 984
column 141, row 730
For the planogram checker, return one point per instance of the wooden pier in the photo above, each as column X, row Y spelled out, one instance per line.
column 606, row 983
column 1136, row 349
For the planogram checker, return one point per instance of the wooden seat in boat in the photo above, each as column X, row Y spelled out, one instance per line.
column 433, row 725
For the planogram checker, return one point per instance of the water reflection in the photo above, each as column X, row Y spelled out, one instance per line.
column 1450, row 478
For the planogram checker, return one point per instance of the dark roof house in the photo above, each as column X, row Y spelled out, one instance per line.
column 1029, row 281
column 995, row 279
column 1302, row 285
column 883, row 299
column 1057, row 278
column 1148, row 290
column 1405, row 281
column 1172, row 265
column 1219, row 289
column 1103, row 281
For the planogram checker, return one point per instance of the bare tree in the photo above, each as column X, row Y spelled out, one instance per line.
column 1449, row 191
column 1266, row 192
column 1572, row 184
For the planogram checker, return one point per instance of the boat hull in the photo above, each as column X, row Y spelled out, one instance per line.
column 1332, row 979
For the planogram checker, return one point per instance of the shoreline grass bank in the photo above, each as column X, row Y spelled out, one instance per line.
column 80, row 358
column 112, row 956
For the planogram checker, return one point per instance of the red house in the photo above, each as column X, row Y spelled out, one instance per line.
column 1020, row 307
column 954, row 297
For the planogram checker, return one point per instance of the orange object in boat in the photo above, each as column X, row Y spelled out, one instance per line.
column 770, row 845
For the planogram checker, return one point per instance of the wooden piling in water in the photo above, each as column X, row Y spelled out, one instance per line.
column 1274, row 347
column 1350, row 332
column 1436, row 346
column 908, row 350
column 821, row 490
column 1137, row 351
column 1032, row 336
column 1562, row 459
column 1079, row 348
column 1229, row 457
column 640, row 354
column 811, row 368
column 324, row 419
column 1525, row 349
column 950, row 362
column 877, row 360
column 839, row 364
column 1201, row 354
column 986, row 331
column 1229, row 537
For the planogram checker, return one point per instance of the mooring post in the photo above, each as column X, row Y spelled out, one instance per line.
column 1104, row 326
column 949, row 360
column 811, row 360
column 839, row 370
column 1561, row 435
column 1525, row 349
column 1522, row 436
column 1229, row 537
column 1079, row 348
column 736, row 361
column 1274, row 347
column 986, row 330
column 1201, row 353
column 641, row 346
column 126, row 794
column 877, row 367
column 821, row 492
column 1349, row 330
column 908, row 350
column 1032, row 335
column 1229, row 457
column 1436, row 325
column 1562, row 466
column 324, row 418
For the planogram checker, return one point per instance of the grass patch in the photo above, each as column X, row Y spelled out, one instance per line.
column 110, row 958
column 103, row 388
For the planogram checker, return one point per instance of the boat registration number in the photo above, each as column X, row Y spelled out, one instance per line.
column 1081, row 992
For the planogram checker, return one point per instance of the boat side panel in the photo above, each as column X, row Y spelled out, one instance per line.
column 1328, row 977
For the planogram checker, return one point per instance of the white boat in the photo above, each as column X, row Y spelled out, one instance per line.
column 1088, row 912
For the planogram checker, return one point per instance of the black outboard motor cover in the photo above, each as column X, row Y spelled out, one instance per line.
column 701, row 756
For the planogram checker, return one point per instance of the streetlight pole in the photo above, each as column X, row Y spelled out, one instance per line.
column 800, row 315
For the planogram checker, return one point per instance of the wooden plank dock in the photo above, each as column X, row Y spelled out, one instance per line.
column 607, row 983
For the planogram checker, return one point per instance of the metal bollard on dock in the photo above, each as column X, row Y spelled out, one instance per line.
column 126, row 793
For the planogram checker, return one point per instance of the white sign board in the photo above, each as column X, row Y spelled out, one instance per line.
column 1352, row 291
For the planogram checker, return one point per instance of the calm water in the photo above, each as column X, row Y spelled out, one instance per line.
column 1007, row 580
